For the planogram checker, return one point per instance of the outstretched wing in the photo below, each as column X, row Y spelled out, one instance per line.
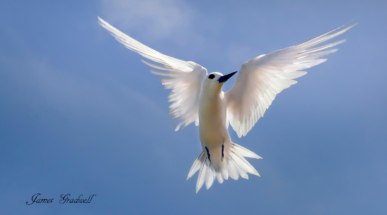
column 184, row 78
column 262, row 78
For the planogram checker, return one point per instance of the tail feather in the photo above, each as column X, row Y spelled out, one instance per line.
column 196, row 165
column 219, row 177
column 232, row 170
column 245, row 152
column 202, row 174
column 239, row 170
column 210, row 178
column 233, row 166
column 243, row 164
column 225, row 170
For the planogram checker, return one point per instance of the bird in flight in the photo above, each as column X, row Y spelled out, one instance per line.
column 197, row 96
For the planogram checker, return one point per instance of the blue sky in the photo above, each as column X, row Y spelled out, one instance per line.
column 81, row 114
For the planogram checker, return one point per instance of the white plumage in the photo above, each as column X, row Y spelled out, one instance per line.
column 198, row 97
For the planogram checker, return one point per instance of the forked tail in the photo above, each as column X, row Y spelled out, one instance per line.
column 233, row 166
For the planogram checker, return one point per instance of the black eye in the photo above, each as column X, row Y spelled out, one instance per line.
column 211, row 76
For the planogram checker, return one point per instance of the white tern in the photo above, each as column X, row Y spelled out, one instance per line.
column 198, row 97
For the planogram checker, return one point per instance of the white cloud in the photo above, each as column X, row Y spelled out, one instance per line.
column 159, row 18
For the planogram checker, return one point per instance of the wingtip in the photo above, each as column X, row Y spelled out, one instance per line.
column 355, row 24
column 257, row 156
column 345, row 29
column 178, row 126
column 100, row 19
column 350, row 27
column 101, row 22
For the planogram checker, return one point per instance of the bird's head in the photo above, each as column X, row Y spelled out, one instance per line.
column 215, row 80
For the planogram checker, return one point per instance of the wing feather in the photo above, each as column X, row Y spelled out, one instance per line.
column 184, row 78
column 262, row 78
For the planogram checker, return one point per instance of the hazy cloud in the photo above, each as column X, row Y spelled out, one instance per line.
column 156, row 17
column 39, row 85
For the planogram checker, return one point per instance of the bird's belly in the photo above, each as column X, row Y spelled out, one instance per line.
column 212, row 120
column 212, row 131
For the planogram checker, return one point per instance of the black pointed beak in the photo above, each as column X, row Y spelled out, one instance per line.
column 224, row 78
